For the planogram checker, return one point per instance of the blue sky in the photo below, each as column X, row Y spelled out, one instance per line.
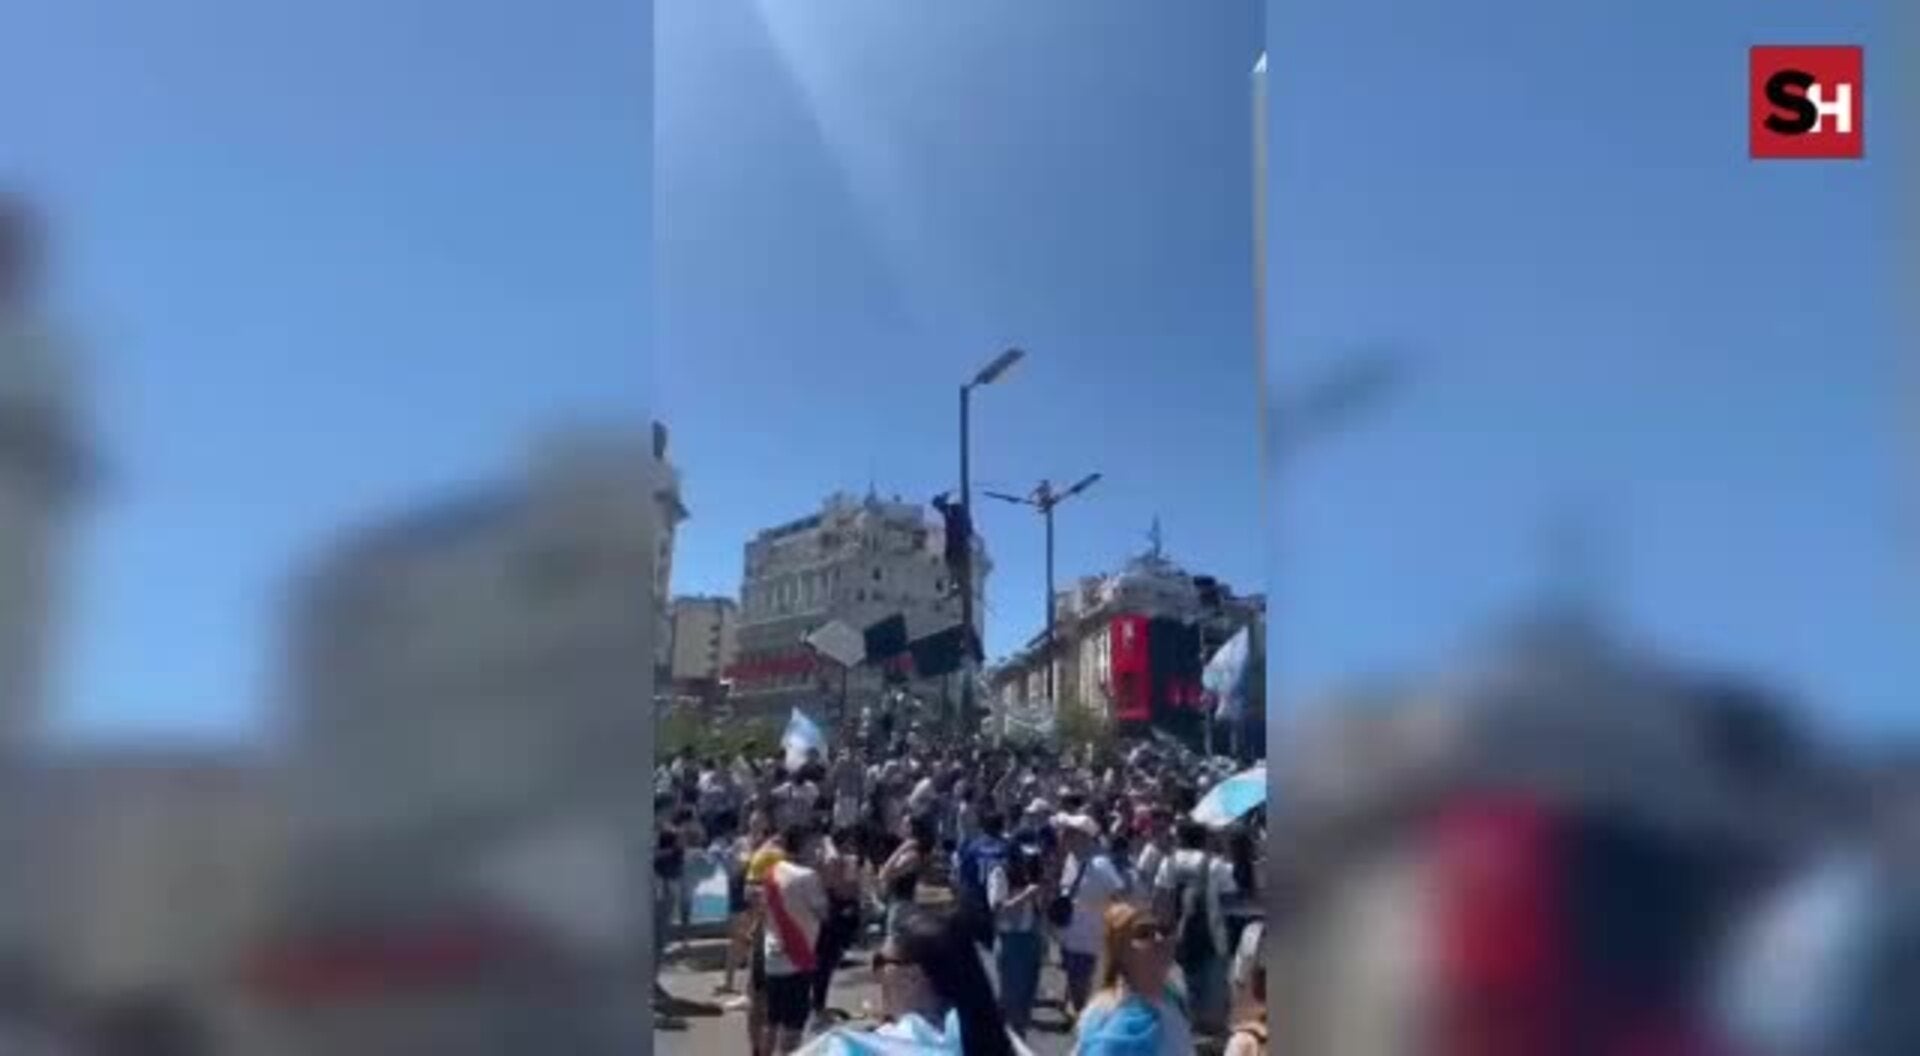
column 1551, row 206
column 861, row 203
column 327, row 260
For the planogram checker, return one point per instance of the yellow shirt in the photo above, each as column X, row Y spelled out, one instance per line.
column 760, row 866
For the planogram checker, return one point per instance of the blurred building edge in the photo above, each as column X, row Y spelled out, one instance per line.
column 142, row 871
column 491, row 634
column 467, row 731
column 1260, row 168
column 1563, row 709
column 46, row 464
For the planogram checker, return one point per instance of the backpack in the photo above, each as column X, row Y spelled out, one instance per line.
column 1193, row 931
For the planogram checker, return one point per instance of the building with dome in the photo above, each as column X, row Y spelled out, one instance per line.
column 1130, row 645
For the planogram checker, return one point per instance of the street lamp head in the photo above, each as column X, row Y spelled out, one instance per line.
column 1000, row 365
column 1082, row 484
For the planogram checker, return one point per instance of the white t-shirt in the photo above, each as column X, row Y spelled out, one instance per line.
column 1102, row 884
column 803, row 895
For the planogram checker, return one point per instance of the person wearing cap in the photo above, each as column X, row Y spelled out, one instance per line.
column 1089, row 883
column 1036, row 827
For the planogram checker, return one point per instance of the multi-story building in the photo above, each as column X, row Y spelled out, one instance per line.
column 704, row 641
column 856, row 560
column 483, row 655
column 671, row 511
column 43, row 471
column 1130, row 645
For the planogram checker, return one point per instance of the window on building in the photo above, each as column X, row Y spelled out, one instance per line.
column 876, row 575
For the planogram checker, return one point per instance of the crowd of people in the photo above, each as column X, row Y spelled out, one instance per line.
column 1488, row 905
column 1019, row 857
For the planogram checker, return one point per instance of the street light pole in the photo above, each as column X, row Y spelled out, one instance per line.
column 1047, row 503
column 962, row 568
column 1046, row 500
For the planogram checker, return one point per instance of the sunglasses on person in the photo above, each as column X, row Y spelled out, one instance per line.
column 1152, row 933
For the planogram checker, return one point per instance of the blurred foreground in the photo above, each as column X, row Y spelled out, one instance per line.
column 1583, row 847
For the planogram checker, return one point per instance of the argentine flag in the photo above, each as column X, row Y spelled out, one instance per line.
column 1226, row 674
column 910, row 1035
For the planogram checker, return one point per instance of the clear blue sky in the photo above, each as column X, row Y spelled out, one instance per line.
column 861, row 203
column 1552, row 205
column 329, row 259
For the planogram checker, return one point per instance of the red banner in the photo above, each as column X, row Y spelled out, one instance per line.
column 1132, row 669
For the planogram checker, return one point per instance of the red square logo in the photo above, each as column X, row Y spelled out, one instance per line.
column 1806, row 102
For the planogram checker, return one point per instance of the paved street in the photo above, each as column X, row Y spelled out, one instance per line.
column 855, row 991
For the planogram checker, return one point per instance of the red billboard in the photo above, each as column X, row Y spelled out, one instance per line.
column 1132, row 669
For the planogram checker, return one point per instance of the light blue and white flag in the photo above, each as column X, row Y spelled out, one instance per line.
column 802, row 736
column 1226, row 674
column 910, row 1035
column 709, row 890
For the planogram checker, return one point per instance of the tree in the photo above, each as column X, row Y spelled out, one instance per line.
column 681, row 729
column 1078, row 724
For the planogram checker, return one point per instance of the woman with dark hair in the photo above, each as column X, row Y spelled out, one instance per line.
column 934, row 993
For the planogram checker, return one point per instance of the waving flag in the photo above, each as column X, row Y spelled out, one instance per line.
column 910, row 1035
column 1226, row 674
column 802, row 736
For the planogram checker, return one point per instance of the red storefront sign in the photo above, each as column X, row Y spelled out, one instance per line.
column 763, row 668
column 1132, row 669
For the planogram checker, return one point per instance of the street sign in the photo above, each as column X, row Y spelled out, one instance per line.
column 839, row 643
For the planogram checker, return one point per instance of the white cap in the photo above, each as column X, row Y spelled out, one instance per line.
column 1077, row 823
